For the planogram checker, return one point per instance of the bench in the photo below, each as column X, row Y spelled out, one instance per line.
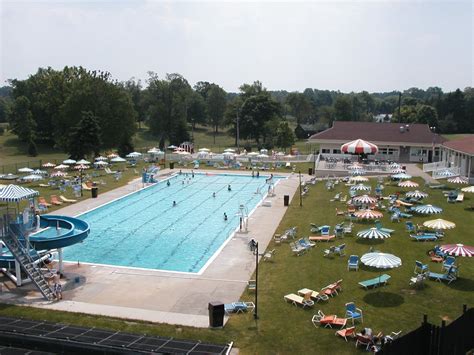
column 382, row 280
column 424, row 237
column 321, row 238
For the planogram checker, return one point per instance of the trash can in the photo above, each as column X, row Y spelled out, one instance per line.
column 310, row 171
column 95, row 192
column 286, row 200
column 171, row 165
column 216, row 314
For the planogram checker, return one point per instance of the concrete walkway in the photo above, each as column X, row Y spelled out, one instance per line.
column 158, row 296
column 414, row 170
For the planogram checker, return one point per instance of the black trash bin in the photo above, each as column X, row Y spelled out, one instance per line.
column 95, row 192
column 286, row 200
column 171, row 165
column 216, row 314
column 310, row 171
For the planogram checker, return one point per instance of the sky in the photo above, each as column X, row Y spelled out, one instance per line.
column 373, row 45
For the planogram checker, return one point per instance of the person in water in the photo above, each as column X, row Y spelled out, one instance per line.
column 225, row 216
column 229, row 188
column 168, row 183
column 213, row 194
column 174, row 203
column 258, row 173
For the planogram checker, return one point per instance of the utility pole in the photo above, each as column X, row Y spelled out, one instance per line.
column 301, row 194
column 399, row 104
column 255, row 314
column 237, row 132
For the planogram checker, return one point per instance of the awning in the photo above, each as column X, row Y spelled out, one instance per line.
column 15, row 193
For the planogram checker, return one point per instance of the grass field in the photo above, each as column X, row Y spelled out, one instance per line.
column 283, row 328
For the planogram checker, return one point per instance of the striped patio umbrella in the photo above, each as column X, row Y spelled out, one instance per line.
column 32, row 177
column 373, row 233
column 458, row 250
column 355, row 166
column 446, row 173
column 397, row 171
column 58, row 173
column 458, row 180
column 113, row 155
column 468, row 189
column 100, row 158
column 133, row 155
column 69, row 161
column 427, row 209
column 394, row 166
column 15, row 193
column 359, row 178
column 439, row 224
column 360, row 187
column 118, row 159
column 61, row 167
column 381, row 260
column 359, row 146
column 81, row 167
column 357, row 172
column 368, row 214
column 364, row 199
column 83, row 161
column 408, row 183
column 48, row 165
column 401, row 176
column 101, row 163
column 416, row 194
column 39, row 172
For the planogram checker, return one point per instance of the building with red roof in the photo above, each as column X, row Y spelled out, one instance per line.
column 459, row 154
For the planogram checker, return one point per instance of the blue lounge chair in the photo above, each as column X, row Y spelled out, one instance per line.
column 353, row 313
column 379, row 226
column 238, row 307
column 420, row 267
column 324, row 230
column 424, row 237
column 353, row 263
column 449, row 277
column 410, row 226
column 395, row 217
column 405, row 215
column 449, row 262
column 340, row 249
column 377, row 281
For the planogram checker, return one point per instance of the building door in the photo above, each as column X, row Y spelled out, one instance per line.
column 430, row 156
column 404, row 154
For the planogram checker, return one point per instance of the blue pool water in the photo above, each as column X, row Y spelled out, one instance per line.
column 144, row 230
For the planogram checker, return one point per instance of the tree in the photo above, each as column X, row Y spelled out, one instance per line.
column 84, row 138
column 216, row 105
column 134, row 89
column 32, row 149
column 285, row 136
column 343, row 108
column 21, row 119
column 300, row 106
column 426, row 114
column 196, row 109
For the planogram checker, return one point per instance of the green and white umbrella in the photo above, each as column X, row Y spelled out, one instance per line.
column 381, row 260
column 25, row 170
column 446, row 173
column 427, row 209
column 373, row 233
column 360, row 187
column 69, row 161
column 416, row 194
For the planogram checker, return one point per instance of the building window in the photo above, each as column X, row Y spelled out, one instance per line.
column 336, row 151
column 325, row 151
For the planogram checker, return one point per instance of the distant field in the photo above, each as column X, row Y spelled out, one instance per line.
column 456, row 136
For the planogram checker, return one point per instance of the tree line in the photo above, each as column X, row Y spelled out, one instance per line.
column 84, row 112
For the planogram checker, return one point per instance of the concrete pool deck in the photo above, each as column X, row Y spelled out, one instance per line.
column 160, row 296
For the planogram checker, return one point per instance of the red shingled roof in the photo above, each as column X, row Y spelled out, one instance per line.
column 379, row 132
column 465, row 145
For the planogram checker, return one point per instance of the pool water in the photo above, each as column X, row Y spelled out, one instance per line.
column 145, row 230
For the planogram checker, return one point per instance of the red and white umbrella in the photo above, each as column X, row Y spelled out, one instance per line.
column 61, row 166
column 458, row 250
column 81, row 167
column 408, row 183
column 368, row 214
column 48, row 165
column 364, row 199
column 397, row 171
column 359, row 146
column 355, row 166
column 58, row 174
column 458, row 180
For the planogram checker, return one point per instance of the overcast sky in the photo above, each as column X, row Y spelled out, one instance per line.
column 347, row 46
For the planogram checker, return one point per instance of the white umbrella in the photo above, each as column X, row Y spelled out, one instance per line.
column 100, row 158
column 25, row 170
column 204, row 150
column 229, row 150
column 172, row 146
column 118, row 160
column 101, row 163
column 69, row 161
column 439, row 224
column 468, row 189
column 32, row 177
column 373, row 233
column 83, row 161
column 360, row 187
column 401, row 176
column 58, row 174
column 381, row 260
column 61, row 166
column 446, row 173
column 458, row 180
column 112, row 155
column 153, row 151
column 48, row 165
column 427, row 209
column 134, row 155
column 358, row 178
column 416, row 194
column 364, row 199
column 39, row 172
column 408, row 183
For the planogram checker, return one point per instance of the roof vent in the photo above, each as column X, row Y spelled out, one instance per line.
column 402, row 129
column 407, row 128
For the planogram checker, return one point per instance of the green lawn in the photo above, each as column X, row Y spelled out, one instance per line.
column 455, row 136
column 283, row 328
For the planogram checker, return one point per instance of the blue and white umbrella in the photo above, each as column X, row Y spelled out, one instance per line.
column 446, row 173
column 15, row 193
column 416, row 194
column 360, row 187
column 373, row 233
column 381, row 260
column 69, row 161
column 427, row 209
column 32, row 177
column 118, row 160
column 401, row 176
column 25, row 170
column 357, row 172
column 39, row 172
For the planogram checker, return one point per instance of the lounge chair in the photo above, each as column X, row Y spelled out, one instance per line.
column 85, row 187
column 460, row 197
column 420, row 268
column 328, row 321
column 317, row 296
column 251, row 285
column 42, row 201
column 339, row 213
column 424, row 237
column 347, row 229
column 298, row 300
column 410, row 226
column 353, row 263
column 395, row 217
column 363, row 340
column 353, row 313
column 346, row 332
column 437, row 186
column 314, row 228
column 108, row 171
column 238, row 307
column 375, row 282
column 332, row 289
column 321, row 238
column 55, row 201
column 418, row 280
column 435, row 258
column 449, row 262
column 449, row 277
column 297, row 249
column 324, row 230
column 64, row 199
column 340, row 249
column 379, row 226
column 269, row 255
column 343, row 199
column 330, row 251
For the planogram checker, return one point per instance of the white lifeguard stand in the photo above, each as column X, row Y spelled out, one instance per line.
column 244, row 218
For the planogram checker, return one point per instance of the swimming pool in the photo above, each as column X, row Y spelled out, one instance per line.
column 145, row 230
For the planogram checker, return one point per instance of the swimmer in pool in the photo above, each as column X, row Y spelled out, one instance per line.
column 225, row 216
column 174, row 203
column 168, row 183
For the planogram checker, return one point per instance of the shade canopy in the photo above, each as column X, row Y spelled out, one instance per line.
column 118, row 160
column 416, row 194
column 368, row 214
column 83, row 161
column 373, row 233
column 427, row 209
column 61, row 166
column 468, row 189
column 458, row 250
column 25, row 170
column 359, row 178
column 359, row 146
column 439, row 224
column 360, row 187
column 69, row 161
column 408, row 183
column 15, row 193
column 48, row 165
column 364, row 199
column 32, row 177
column 381, row 260
column 458, row 180
column 401, row 176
